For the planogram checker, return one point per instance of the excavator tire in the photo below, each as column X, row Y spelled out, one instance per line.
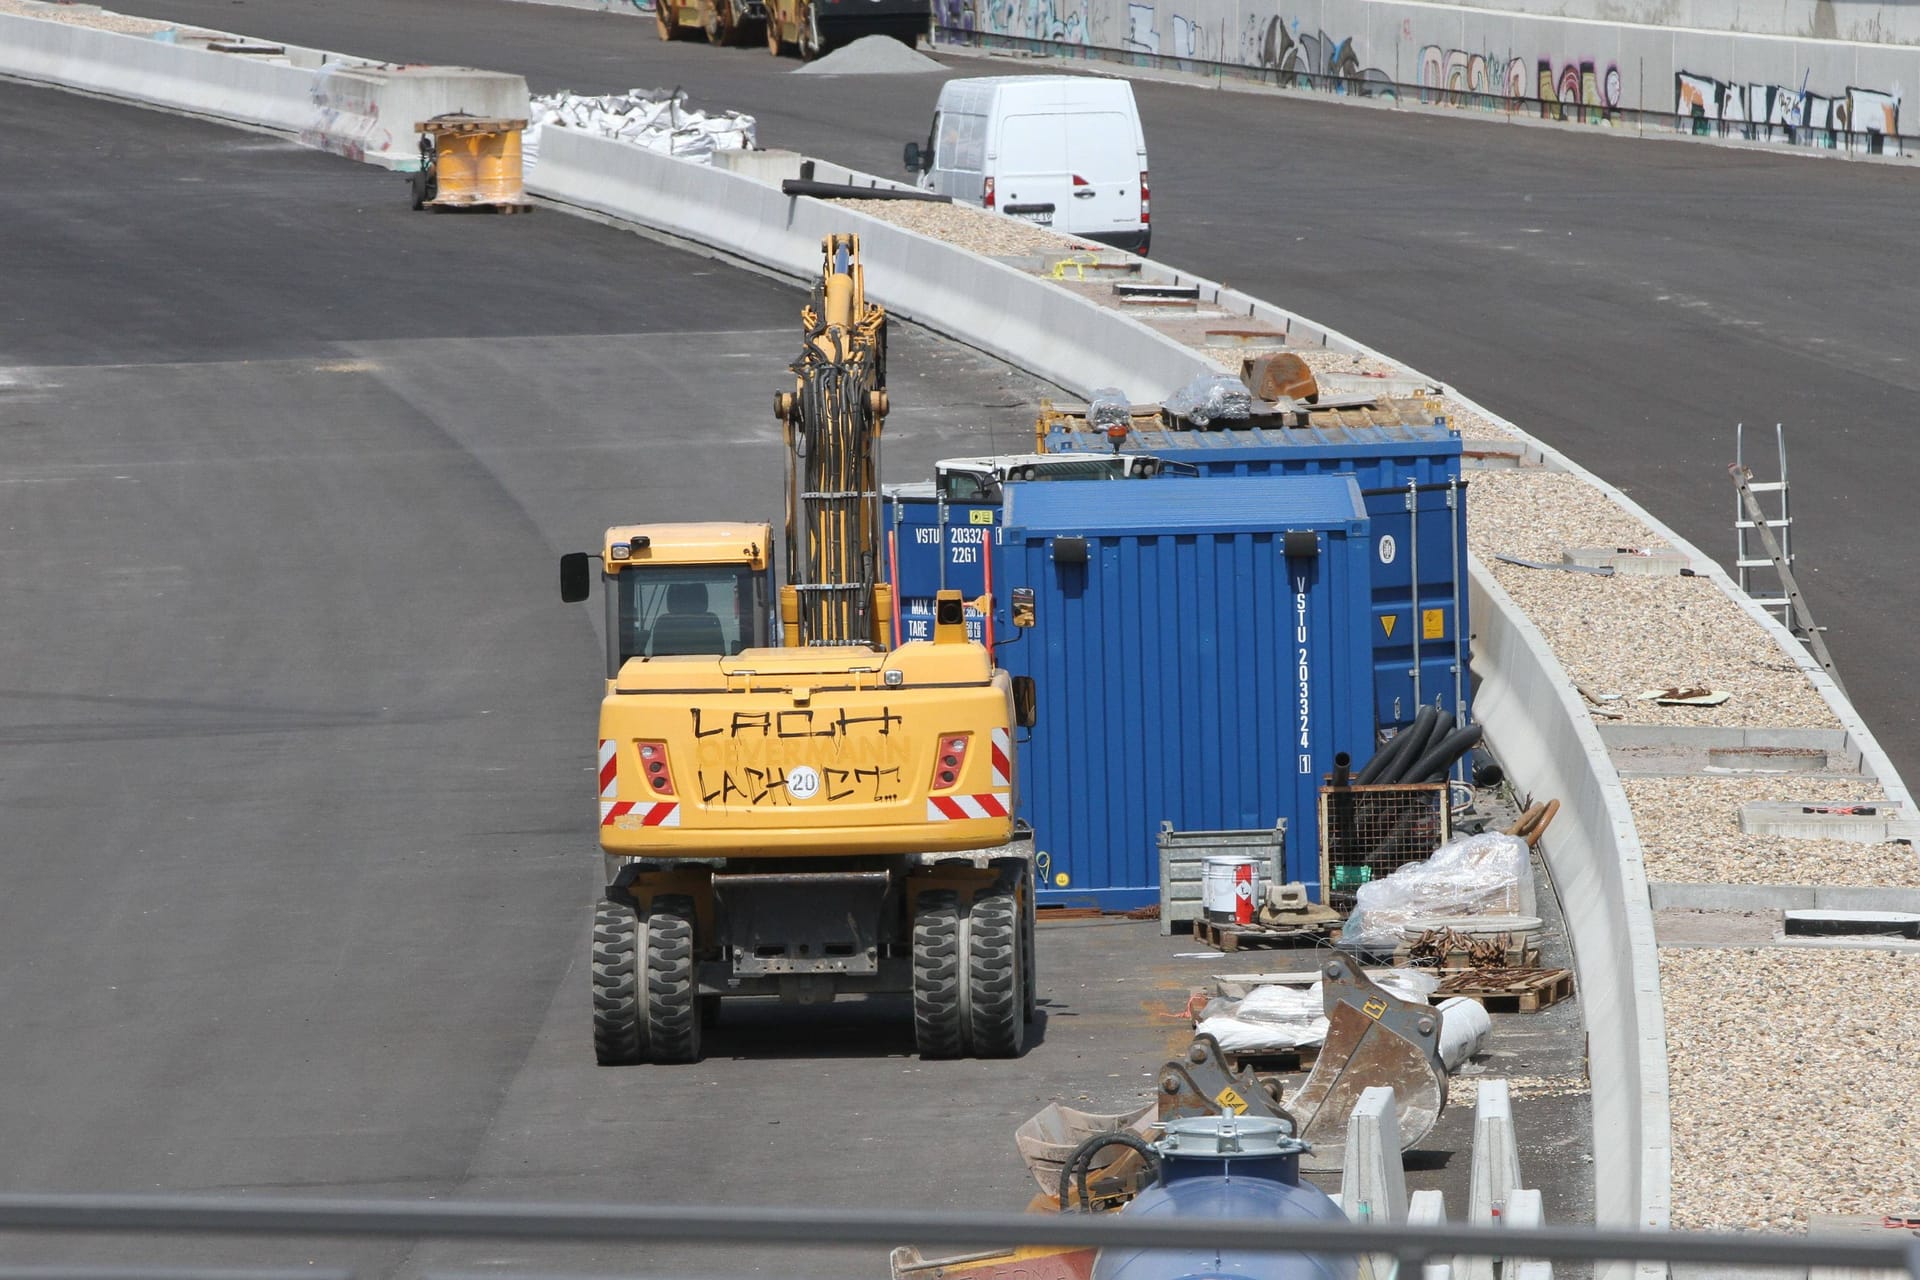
column 939, row 1018
column 996, row 987
column 673, row 1001
column 619, row 1030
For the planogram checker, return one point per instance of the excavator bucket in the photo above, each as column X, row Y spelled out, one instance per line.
column 1039, row 1263
column 1373, row 1038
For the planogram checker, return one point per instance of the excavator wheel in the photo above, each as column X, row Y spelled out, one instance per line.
column 716, row 19
column 667, row 18
column 775, row 45
column 619, row 1029
column 996, row 985
column 672, row 997
column 939, row 1021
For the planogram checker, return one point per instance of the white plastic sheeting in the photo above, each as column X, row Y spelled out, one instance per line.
column 658, row 120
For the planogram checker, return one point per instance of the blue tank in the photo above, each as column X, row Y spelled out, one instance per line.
column 1243, row 1168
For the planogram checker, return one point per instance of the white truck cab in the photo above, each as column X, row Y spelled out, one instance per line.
column 1063, row 151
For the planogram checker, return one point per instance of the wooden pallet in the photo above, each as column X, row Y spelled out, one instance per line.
column 1510, row 990
column 1254, row 937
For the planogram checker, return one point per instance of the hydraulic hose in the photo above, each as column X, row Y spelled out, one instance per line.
column 1084, row 1154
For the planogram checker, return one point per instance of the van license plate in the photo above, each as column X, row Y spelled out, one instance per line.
column 1040, row 213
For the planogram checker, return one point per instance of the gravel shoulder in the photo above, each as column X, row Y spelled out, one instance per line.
column 1792, row 1076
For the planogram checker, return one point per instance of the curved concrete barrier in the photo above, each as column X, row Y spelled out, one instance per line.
column 364, row 111
column 1019, row 318
column 233, row 89
column 1549, row 746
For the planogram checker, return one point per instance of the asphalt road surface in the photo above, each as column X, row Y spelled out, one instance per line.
column 1627, row 301
column 295, row 744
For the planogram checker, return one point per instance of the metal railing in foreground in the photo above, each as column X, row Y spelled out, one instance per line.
column 725, row 1225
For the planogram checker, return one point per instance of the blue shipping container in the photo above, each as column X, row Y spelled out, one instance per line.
column 1198, row 654
column 935, row 546
column 1409, row 477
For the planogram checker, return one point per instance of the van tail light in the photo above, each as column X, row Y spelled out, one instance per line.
column 949, row 760
column 986, row 193
column 1146, row 205
column 1079, row 181
column 654, row 767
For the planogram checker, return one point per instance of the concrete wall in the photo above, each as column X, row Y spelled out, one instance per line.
column 1867, row 21
column 1779, row 89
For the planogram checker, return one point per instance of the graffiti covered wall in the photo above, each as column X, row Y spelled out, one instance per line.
column 1812, row 93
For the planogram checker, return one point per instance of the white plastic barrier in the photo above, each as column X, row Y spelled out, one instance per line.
column 236, row 88
column 1029, row 322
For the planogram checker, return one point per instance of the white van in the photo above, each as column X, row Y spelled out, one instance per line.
column 1063, row 151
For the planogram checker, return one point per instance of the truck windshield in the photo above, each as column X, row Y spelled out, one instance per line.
column 689, row 609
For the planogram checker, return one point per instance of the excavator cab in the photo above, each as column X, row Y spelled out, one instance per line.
column 679, row 590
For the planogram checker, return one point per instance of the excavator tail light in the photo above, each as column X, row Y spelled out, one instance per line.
column 949, row 760
column 655, row 768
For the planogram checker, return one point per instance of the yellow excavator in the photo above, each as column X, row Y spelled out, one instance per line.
column 802, row 808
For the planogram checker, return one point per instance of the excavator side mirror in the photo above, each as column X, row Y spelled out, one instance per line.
column 1026, row 702
column 575, row 580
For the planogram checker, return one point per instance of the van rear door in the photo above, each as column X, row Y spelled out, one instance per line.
column 1032, row 180
column 1102, row 151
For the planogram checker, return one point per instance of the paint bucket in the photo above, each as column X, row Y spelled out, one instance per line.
column 1227, row 888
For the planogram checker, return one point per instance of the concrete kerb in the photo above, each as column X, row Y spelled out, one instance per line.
column 1540, row 728
column 985, row 304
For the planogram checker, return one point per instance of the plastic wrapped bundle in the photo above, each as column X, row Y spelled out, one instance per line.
column 1209, row 398
column 652, row 118
column 1109, row 408
column 1483, row 875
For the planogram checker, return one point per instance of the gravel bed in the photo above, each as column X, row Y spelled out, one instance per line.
column 1624, row 634
column 77, row 16
column 1690, row 830
column 1793, row 1075
column 992, row 234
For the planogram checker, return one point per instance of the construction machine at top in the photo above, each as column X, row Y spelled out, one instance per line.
column 791, row 804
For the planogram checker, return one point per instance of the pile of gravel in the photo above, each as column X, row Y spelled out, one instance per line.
column 870, row 56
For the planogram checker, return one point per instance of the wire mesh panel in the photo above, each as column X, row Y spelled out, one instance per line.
column 1370, row 832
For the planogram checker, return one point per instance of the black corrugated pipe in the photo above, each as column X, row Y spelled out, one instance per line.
column 1433, row 766
column 845, row 191
column 1379, row 768
column 1442, row 726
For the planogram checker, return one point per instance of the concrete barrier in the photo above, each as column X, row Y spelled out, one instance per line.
column 233, row 88
column 361, row 110
column 1543, row 734
column 1007, row 313
column 370, row 113
column 1575, row 66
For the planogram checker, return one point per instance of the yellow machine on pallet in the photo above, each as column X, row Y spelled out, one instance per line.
column 469, row 163
column 828, row 814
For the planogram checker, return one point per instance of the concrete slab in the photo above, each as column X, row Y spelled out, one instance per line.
column 1817, row 820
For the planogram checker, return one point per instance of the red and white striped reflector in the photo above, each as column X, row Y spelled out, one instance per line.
column 664, row 813
column 609, row 769
column 988, row 804
column 1002, row 758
